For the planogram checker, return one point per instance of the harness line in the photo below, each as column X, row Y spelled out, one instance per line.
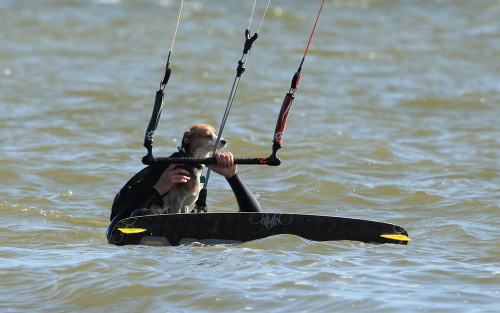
column 175, row 31
column 289, row 97
column 158, row 105
column 273, row 159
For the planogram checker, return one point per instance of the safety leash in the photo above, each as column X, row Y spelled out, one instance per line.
column 201, row 203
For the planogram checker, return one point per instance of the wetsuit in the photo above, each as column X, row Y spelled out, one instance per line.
column 138, row 194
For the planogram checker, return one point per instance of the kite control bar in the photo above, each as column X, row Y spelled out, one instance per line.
column 273, row 160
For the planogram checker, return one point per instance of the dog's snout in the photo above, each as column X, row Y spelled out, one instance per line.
column 223, row 142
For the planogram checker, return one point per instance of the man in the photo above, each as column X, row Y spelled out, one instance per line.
column 137, row 196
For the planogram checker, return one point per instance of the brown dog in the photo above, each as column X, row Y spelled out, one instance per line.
column 199, row 142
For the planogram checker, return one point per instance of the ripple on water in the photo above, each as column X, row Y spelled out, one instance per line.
column 399, row 127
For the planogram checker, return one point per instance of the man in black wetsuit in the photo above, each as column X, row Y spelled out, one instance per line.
column 153, row 182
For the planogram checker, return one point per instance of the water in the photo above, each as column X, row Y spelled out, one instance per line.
column 395, row 120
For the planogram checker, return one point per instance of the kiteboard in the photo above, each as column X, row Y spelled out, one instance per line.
column 234, row 228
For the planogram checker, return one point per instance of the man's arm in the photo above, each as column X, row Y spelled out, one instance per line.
column 226, row 167
column 144, row 201
column 246, row 200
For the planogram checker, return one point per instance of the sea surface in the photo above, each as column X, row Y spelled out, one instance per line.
column 396, row 119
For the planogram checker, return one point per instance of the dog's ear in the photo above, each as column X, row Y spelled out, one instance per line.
column 187, row 134
column 186, row 141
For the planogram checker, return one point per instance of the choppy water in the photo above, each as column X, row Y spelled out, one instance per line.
column 396, row 120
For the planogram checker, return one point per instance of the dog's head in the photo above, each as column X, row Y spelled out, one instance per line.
column 199, row 140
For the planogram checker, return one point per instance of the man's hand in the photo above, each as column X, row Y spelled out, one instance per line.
column 171, row 176
column 225, row 164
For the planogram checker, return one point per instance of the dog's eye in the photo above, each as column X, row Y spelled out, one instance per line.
column 209, row 136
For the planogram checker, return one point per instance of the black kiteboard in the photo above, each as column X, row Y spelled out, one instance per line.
column 230, row 228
